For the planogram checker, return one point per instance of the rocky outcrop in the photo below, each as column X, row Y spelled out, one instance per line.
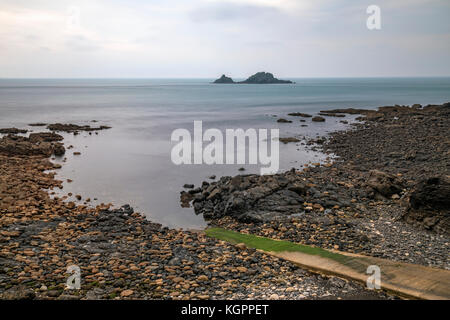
column 248, row 198
column 68, row 127
column 289, row 139
column 254, row 198
column 45, row 136
column 318, row 119
column 12, row 131
column 37, row 144
column 338, row 115
column 264, row 78
column 429, row 205
column 257, row 78
column 299, row 114
column 224, row 79
column 384, row 184
column 348, row 111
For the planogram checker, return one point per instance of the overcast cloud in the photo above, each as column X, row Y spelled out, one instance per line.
column 205, row 38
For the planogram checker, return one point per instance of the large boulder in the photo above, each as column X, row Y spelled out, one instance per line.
column 429, row 205
column 384, row 184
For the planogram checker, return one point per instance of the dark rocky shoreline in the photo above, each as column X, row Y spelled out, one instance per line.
column 386, row 195
column 383, row 196
column 121, row 255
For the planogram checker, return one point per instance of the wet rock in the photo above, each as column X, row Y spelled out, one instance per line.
column 45, row 136
column 282, row 120
column 59, row 150
column 349, row 111
column 299, row 114
column 339, row 115
column 74, row 128
column 288, row 140
column 12, row 131
column 17, row 145
column 318, row 119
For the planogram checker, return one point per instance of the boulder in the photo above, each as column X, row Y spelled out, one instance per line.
column 384, row 184
column 318, row 119
column 12, row 131
column 429, row 205
column 58, row 150
column 432, row 193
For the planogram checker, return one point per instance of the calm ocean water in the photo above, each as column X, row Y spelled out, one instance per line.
column 131, row 162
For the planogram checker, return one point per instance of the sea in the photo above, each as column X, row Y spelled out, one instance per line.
column 131, row 163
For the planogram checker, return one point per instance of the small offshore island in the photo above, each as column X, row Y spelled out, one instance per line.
column 257, row 78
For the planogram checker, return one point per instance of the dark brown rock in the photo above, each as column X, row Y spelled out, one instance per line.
column 318, row 119
column 383, row 183
column 299, row 114
column 12, row 131
column 429, row 205
column 74, row 128
column 288, row 140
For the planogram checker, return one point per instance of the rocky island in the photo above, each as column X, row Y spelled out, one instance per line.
column 224, row 79
column 257, row 78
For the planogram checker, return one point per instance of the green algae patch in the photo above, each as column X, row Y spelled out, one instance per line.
column 271, row 245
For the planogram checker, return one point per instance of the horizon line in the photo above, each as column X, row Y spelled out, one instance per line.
column 200, row 78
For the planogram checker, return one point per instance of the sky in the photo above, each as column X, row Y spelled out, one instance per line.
column 206, row 38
